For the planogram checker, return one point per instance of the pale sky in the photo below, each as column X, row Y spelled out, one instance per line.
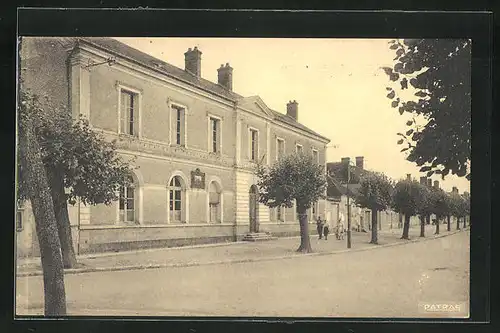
column 337, row 83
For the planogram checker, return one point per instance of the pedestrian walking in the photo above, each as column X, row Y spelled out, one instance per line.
column 326, row 229
column 339, row 230
column 319, row 227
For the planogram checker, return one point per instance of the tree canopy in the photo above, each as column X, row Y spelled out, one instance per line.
column 442, row 203
column 427, row 204
column 91, row 168
column 408, row 197
column 375, row 191
column 292, row 177
column 458, row 205
column 439, row 70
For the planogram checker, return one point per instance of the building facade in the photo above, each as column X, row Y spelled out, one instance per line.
column 194, row 145
column 341, row 185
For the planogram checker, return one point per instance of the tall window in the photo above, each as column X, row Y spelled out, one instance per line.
column 175, row 200
column 178, row 126
column 315, row 156
column 298, row 148
column 128, row 113
column 254, row 144
column 280, row 148
column 178, row 130
column 127, row 202
column 214, row 135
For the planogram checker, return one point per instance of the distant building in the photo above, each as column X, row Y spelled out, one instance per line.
column 197, row 143
column 340, row 187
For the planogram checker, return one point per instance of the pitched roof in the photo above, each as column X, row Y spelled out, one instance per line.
column 336, row 188
column 292, row 122
column 163, row 67
column 121, row 49
column 339, row 171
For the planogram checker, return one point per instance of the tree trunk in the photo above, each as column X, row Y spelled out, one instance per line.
column 374, row 239
column 465, row 222
column 458, row 222
column 45, row 222
column 305, row 242
column 63, row 224
column 422, row 226
column 448, row 221
column 428, row 219
column 406, row 227
column 437, row 226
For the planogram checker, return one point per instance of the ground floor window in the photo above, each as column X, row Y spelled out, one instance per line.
column 175, row 203
column 127, row 202
column 214, row 212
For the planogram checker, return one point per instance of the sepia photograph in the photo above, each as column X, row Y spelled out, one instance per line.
column 243, row 177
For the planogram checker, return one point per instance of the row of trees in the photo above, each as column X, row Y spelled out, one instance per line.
column 298, row 178
column 410, row 198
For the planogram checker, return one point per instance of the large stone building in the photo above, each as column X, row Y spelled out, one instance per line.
column 195, row 143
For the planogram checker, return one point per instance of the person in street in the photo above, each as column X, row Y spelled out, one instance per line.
column 326, row 229
column 339, row 230
column 319, row 227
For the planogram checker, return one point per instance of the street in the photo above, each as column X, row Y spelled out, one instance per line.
column 383, row 282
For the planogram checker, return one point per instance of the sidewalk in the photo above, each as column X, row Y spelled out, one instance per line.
column 282, row 248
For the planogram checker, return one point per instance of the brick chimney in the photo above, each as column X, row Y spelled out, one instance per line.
column 292, row 109
column 436, row 184
column 423, row 181
column 193, row 61
column 225, row 76
column 429, row 182
column 360, row 162
column 345, row 160
column 408, row 176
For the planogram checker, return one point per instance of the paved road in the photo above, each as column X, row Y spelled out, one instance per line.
column 385, row 282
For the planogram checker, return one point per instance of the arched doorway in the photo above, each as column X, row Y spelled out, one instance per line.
column 253, row 208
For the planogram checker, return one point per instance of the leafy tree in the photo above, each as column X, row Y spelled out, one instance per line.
column 439, row 70
column 36, row 189
column 407, row 199
column 442, row 206
column 466, row 208
column 79, row 164
column 450, row 204
column 426, row 207
column 457, row 208
column 292, row 178
column 375, row 194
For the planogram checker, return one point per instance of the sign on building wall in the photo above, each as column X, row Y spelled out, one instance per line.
column 197, row 179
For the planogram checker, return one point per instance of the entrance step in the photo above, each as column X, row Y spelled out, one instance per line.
column 258, row 237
